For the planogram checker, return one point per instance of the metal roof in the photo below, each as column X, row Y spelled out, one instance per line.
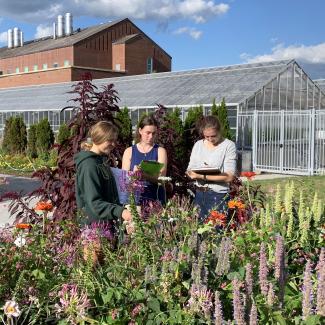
column 194, row 87
column 320, row 83
column 48, row 43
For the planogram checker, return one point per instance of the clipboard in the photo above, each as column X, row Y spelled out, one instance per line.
column 151, row 167
column 206, row 170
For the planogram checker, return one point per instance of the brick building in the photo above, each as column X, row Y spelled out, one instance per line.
column 114, row 49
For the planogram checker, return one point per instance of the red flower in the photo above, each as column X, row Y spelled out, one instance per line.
column 248, row 175
column 217, row 219
column 23, row 226
column 43, row 206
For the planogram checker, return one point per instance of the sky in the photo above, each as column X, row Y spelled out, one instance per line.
column 196, row 33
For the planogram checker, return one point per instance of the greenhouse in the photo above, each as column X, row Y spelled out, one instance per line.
column 274, row 107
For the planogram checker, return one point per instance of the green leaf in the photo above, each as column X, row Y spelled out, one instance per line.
column 154, row 305
column 313, row 320
column 107, row 297
column 279, row 318
column 186, row 285
column 38, row 274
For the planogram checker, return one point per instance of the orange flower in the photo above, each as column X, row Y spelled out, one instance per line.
column 43, row 206
column 23, row 226
column 233, row 204
column 217, row 219
column 248, row 175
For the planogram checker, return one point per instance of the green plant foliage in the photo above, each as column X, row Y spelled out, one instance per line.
column 175, row 122
column 44, row 137
column 221, row 112
column 64, row 133
column 31, row 145
column 15, row 135
column 190, row 131
column 125, row 124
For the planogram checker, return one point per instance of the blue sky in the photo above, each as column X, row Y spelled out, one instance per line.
column 196, row 33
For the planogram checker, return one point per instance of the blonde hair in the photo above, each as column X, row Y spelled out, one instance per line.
column 103, row 131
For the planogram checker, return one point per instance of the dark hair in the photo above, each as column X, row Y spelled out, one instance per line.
column 145, row 120
column 209, row 121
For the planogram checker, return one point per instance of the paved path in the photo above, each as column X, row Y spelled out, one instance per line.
column 21, row 185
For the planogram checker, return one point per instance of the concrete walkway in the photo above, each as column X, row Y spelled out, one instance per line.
column 22, row 185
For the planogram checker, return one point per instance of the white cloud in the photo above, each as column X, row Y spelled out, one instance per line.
column 42, row 31
column 193, row 32
column 303, row 53
column 3, row 37
column 198, row 11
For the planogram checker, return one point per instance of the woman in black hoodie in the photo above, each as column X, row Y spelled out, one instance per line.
column 96, row 190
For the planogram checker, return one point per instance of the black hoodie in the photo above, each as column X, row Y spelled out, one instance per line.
column 96, row 190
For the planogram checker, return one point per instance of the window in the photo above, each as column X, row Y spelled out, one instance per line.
column 149, row 65
column 17, row 70
column 66, row 63
column 44, row 66
column 26, row 69
column 35, row 67
column 55, row 65
column 117, row 67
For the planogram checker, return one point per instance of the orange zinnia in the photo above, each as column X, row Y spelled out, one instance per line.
column 43, row 206
column 248, row 175
column 232, row 204
column 23, row 226
column 217, row 219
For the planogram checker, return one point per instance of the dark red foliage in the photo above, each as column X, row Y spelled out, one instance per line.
column 58, row 185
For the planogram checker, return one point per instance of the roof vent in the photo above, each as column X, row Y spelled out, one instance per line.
column 54, row 30
column 10, row 39
column 68, row 24
column 21, row 38
column 60, row 26
column 16, row 37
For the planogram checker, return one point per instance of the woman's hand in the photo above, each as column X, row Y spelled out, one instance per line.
column 194, row 175
column 136, row 168
column 126, row 215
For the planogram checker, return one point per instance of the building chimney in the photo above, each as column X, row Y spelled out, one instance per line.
column 54, row 30
column 68, row 24
column 21, row 38
column 10, row 39
column 16, row 37
column 60, row 30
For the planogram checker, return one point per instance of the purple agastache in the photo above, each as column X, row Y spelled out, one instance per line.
column 223, row 264
column 6, row 235
column 249, row 279
column 320, row 299
column 279, row 265
column 239, row 314
column 270, row 295
column 218, row 314
column 307, row 292
column 263, row 271
column 72, row 303
column 253, row 318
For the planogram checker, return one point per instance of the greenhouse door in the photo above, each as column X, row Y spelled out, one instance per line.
column 283, row 141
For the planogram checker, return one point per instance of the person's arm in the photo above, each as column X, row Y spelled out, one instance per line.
column 126, row 159
column 193, row 158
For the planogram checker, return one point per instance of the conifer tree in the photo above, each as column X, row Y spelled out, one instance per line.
column 64, row 133
column 123, row 120
column 44, row 137
column 221, row 112
column 31, row 145
column 15, row 135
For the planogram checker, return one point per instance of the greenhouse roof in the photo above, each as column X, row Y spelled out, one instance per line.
column 320, row 83
column 194, row 87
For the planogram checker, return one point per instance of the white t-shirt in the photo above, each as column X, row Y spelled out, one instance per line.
column 223, row 157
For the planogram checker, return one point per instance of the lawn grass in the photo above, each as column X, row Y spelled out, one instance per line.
column 308, row 184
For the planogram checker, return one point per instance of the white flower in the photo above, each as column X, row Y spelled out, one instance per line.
column 11, row 309
column 20, row 241
column 172, row 219
column 164, row 179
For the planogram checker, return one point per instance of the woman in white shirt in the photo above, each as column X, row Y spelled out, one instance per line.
column 212, row 152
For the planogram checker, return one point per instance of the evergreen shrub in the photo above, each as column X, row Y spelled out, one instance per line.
column 44, row 137
column 220, row 111
column 15, row 135
column 64, row 133
column 31, row 145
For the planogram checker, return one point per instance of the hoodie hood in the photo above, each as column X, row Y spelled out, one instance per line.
column 83, row 155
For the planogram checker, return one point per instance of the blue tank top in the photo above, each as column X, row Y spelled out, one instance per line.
column 152, row 192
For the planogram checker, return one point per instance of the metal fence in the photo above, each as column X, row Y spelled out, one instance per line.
column 288, row 142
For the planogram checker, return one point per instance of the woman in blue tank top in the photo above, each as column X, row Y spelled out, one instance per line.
column 146, row 149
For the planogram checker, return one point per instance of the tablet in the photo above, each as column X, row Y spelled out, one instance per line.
column 206, row 170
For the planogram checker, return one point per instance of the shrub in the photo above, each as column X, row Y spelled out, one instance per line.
column 64, row 133
column 125, row 125
column 190, row 132
column 44, row 137
column 31, row 145
column 222, row 114
column 15, row 136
